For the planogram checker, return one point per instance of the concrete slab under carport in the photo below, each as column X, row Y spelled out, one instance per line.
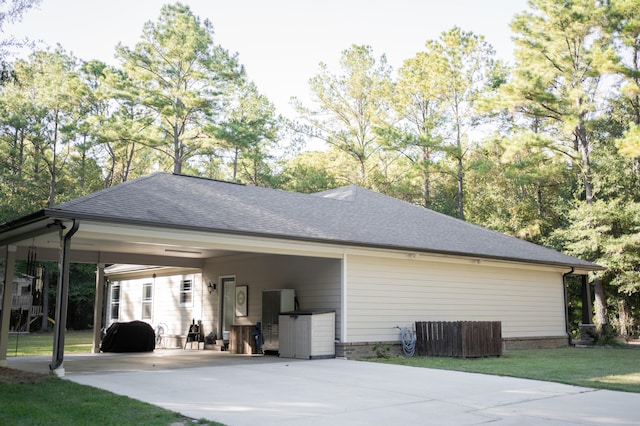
column 245, row 390
column 160, row 359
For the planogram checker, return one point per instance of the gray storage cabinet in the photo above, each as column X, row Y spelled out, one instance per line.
column 307, row 334
column 274, row 302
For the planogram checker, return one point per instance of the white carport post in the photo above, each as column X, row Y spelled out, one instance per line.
column 7, row 293
column 97, row 308
column 343, row 301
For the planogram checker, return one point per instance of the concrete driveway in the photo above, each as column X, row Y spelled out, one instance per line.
column 250, row 390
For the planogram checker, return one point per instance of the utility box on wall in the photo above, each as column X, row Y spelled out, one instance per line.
column 307, row 334
column 274, row 302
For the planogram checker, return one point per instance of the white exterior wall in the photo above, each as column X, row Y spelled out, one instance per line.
column 316, row 281
column 166, row 308
column 383, row 293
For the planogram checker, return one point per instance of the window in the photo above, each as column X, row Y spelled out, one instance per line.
column 115, row 302
column 186, row 292
column 147, row 300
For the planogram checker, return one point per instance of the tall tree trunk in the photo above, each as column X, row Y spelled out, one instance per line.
column 585, row 169
column 460, row 190
column 599, row 305
column 83, row 168
column 582, row 143
column 108, row 180
column 177, row 150
column 363, row 169
column 459, row 155
column 624, row 319
column 127, row 169
column 52, row 182
column 235, row 162
column 426, row 189
column 460, row 179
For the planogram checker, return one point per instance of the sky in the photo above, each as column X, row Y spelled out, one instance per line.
column 280, row 42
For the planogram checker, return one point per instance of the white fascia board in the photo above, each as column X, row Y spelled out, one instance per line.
column 273, row 245
column 208, row 240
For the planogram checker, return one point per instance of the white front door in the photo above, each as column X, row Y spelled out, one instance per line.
column 228, row 305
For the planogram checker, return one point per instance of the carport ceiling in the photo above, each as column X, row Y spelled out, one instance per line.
column 109, row 243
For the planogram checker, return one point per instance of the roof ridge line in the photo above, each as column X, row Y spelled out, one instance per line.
column 209, row 179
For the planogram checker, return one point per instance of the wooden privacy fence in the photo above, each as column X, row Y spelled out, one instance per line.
column 466, row 339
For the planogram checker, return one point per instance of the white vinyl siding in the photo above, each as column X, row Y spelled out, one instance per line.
column 385, row 293
column 382, row 293
column 165, row 300
column 316, row 281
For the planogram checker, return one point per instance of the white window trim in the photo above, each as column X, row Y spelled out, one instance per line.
column 111, row 301
column 190, row 293
column 147, row 301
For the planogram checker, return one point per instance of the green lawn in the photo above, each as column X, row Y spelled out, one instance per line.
column 599, row 367
column 60, row 402
column 42, row 343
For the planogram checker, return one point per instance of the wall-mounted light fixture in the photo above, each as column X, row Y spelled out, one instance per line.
column 211, row 287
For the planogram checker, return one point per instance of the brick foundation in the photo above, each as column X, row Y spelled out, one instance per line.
column 514, row 343
column 367, row 349
column 374, row 349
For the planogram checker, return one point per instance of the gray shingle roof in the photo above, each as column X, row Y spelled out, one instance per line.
column 349, row 215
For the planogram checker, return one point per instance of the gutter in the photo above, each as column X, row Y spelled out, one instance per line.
column 22, row 221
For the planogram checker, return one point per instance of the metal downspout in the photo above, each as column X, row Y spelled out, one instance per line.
column 566, row 305
column 62, row 301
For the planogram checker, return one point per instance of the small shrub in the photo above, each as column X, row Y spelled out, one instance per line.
column 607, row 336
column 382, row 350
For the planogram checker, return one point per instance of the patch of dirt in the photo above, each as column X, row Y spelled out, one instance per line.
column 12, row 376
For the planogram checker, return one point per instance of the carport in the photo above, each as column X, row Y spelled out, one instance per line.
column 55, row 235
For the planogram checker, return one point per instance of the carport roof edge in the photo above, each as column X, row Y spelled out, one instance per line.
column 349, row 215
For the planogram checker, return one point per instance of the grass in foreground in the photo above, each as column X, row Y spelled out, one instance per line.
column 55, row 401
column 599, row 367
column 42, row 343
column 60, row 402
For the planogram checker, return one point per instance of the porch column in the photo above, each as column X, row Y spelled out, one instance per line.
column 587, row 305
column 97, row 308
column 344, row 338
column 587, row 328
column 7, row 292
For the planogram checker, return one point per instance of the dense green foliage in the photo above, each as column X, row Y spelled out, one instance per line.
column 545, row 149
